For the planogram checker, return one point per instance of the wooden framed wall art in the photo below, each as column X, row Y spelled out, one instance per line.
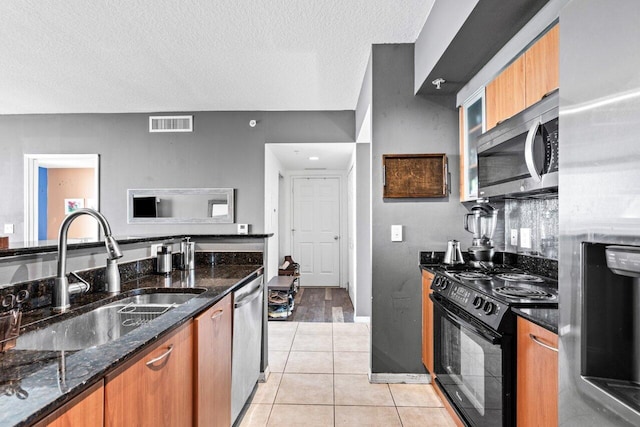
column 414, row 175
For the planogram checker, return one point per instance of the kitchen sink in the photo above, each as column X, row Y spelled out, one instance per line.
column 102, row 324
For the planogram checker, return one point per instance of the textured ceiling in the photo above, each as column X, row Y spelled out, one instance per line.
column 76, row 56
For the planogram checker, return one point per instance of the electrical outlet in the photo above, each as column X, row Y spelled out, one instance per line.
column 514, row 237
column 525, row 238
column 8, row 229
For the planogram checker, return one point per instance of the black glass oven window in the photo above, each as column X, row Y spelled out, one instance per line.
column 470, row 369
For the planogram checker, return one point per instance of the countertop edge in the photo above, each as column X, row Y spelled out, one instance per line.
column 535, row 316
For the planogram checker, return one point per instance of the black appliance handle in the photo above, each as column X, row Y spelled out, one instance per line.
column 479, row 331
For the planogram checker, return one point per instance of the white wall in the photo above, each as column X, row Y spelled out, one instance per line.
column 272, row 171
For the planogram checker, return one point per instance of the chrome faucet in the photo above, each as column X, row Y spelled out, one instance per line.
column 61, row 287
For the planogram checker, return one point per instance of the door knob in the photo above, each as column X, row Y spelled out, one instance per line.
column 336, row 237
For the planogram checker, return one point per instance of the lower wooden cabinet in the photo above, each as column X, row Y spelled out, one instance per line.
column 212, row 365
column 156, row 389
column 427, row 322
column 537, row 376
column 87, row 409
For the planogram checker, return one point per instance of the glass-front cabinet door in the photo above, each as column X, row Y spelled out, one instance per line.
column 472, row 125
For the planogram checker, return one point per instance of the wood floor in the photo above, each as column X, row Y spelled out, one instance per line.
column 322, row 305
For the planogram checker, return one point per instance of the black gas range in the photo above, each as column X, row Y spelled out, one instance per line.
column 474, row 336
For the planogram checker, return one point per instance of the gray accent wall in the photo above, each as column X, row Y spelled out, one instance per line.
column 223, row 151
column 404, row 123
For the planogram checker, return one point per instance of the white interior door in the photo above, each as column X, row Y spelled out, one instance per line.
column 316, row 230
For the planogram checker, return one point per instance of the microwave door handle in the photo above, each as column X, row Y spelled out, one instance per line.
column 529, row 146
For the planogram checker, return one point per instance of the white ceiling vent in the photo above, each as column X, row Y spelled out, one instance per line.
column 170, row 123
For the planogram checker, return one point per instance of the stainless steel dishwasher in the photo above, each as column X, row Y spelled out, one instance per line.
column 247, row 342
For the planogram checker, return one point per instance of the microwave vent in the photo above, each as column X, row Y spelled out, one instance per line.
column 170, row 123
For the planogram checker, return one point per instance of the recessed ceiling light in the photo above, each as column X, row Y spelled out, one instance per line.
column 314, row 158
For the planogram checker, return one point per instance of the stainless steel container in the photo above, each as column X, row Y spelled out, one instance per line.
column 453, row 254
column 164, row 262
column 187, row 255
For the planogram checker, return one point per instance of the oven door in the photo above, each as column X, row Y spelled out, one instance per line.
column 473, row 367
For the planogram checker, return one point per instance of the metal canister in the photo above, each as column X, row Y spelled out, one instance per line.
column 164, row 262
column 187, row 254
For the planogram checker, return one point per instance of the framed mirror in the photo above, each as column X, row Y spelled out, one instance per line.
column 180, row 205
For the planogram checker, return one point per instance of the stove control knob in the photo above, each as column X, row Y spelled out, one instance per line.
column 478, row 301
column 489, row 307
column 444, row 283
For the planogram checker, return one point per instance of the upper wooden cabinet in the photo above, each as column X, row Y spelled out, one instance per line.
column 542, row 67
column 212, row 365
column 156, row 389
column 525, row 81
column 505, row 94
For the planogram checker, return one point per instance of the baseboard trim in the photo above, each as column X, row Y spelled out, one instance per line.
column 362, row 319
column 399, row 378
column 264, row 376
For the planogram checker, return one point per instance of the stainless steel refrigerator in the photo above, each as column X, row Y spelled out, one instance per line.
column 599, row 193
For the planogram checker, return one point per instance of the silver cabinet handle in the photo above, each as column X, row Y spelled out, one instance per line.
column 528, row 151
column 537, row 341
column 162, row 356
column 217, row 314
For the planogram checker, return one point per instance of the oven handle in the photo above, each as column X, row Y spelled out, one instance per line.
column 483, row 333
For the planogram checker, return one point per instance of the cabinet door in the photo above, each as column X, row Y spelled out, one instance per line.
column 472, row 120
column 537, row 376
column 85, row 410
column 157, row 388
column 542, row 67
column 505, row 94
column 427, row 322
column 212, row 366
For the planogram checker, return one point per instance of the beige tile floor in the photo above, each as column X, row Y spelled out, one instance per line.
column 319, row 378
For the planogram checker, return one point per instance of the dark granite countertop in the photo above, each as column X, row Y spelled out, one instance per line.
column 545, row 317
column 34, row 383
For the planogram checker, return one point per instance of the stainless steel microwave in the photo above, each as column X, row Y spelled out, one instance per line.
column 520, row 155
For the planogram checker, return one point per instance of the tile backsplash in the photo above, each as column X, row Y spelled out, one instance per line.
column 531, row 227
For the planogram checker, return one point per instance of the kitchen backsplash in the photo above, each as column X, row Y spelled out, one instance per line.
column 532, row 224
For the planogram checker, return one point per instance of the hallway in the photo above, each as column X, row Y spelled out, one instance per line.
column 319, row 378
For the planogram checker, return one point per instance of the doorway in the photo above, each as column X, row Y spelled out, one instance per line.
column 55, row 185
column 316, row 229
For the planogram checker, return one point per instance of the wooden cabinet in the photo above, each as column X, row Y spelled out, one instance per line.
column 525, row 81
column 156, row 388
column 212, row 365
column 505, row 94
column 542, row 67
column 537, row 376
column 427, row 322
column 87, row 409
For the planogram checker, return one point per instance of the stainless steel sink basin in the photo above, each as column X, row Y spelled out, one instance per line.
column 102, row 324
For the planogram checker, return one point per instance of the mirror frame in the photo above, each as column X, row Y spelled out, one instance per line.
column 148, row 192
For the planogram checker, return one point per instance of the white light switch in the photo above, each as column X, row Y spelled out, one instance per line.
column 8, row 229
column 396, row 233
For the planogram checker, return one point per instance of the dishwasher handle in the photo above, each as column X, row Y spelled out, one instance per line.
column 249, row 297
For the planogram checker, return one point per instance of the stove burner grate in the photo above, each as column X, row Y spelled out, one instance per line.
column 518, row 277
column 472, row 275
column 515, row 292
